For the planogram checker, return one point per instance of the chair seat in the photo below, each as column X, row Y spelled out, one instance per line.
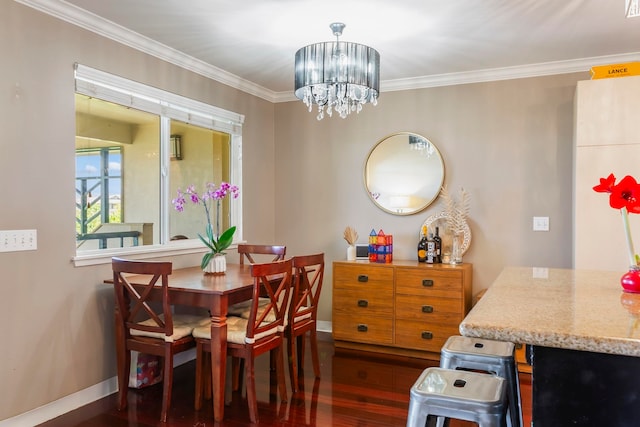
column 242, row 309
column 300, row 317
column 262, row 303
column 236, row 331
column 183, row 326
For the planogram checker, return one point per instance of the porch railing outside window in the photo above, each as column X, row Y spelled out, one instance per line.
column 98, row 195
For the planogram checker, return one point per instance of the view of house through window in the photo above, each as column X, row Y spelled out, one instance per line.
column 123, row 192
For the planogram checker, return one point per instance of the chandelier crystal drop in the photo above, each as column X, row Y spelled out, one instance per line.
column 337, row 76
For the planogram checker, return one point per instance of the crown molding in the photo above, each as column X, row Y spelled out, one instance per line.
column 94, row 23
column 74, row 15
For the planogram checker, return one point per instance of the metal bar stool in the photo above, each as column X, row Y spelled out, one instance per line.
column 495, row 357
column 440, row 393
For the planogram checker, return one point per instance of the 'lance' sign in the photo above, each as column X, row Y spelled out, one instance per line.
column 615, row 70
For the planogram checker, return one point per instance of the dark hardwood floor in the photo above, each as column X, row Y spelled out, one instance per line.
column 355, row 389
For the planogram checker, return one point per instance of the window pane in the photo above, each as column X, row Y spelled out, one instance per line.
column 205, row 155
column 117, row 175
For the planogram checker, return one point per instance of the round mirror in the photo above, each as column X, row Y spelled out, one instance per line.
column 403, row 173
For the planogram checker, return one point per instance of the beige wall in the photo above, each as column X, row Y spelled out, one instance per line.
column 508, row 143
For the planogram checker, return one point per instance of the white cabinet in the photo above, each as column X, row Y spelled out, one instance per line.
column 607, row 140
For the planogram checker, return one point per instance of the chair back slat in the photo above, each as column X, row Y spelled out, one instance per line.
column 273, row 281
column 248, row 251
column 135, row 306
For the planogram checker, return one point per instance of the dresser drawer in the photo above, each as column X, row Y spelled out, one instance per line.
column 423, row 336
column 363, row 302
column 424, row 309
column 434, row 283
column 363, row 276
column 367, row 329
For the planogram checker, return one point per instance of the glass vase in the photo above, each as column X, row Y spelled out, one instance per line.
column 630, row 281
column 457, row 240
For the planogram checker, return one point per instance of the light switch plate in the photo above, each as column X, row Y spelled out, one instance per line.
column 18, row 240
column 540, row 273
column 540, row 223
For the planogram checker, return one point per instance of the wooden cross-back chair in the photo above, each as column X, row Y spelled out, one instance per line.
column 145, row 326
column 261, row 332
column 303, row 313
column 248, row 251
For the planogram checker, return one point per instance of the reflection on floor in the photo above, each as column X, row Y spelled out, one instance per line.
column 355, row 389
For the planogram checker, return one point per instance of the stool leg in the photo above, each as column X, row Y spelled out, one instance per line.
column 417, row 416
column 492, row 421
column 442, row 422
column 515, row 400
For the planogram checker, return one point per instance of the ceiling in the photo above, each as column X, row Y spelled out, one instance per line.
column 250, row 44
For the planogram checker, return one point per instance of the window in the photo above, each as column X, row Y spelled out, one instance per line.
column 135, row 146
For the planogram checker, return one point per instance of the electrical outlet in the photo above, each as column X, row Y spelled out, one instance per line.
column 18, row 240
column 540, row 223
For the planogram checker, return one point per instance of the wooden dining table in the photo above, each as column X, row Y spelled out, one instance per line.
column 215, row 292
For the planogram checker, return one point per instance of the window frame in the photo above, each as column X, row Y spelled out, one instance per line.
column 168, row 106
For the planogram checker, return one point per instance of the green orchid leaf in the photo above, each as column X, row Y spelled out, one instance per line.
column 207, row 243
column 205, row 260
column 225, row 239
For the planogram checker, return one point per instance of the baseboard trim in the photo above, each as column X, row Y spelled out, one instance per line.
column 80, row 398
column 324, row 326
column 63, row 405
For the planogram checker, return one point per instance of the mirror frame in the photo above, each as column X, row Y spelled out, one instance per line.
column 430, row 197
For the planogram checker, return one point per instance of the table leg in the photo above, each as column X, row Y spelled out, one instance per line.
column 218, row 363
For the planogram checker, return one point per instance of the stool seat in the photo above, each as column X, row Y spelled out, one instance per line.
column 478, row 347
column 494, row 357
column 462, row 395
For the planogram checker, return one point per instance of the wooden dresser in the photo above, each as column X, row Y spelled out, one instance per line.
column 405, row 308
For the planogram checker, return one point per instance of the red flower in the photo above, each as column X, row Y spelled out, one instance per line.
column 626, row 197
column 625, row 194
column 606, row 184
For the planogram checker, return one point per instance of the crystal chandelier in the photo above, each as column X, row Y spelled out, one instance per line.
column 421, row 145
column 337, row 76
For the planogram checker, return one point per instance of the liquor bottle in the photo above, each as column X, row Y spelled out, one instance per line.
column 438, row 241
column 422, row 245
column 431, row 249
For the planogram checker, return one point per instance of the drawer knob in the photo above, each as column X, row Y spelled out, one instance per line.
column 362, row 328
column 427, row 282
column 363, row 303
column 427, row 309
column 426, row 335
column 363, row 278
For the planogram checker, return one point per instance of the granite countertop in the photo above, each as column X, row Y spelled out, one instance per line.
column 563, row 308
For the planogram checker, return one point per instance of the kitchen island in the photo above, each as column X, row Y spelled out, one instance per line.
column 583, row 336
